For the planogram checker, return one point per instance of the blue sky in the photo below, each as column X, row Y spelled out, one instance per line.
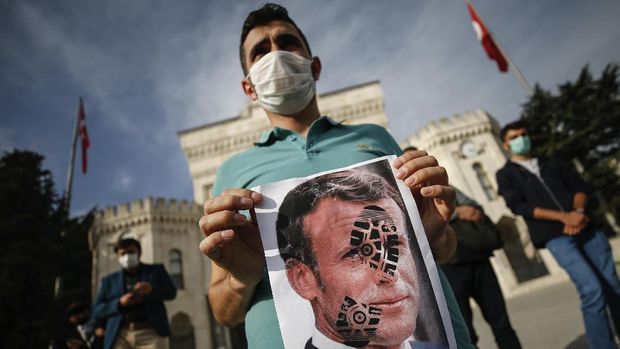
column 149, row 68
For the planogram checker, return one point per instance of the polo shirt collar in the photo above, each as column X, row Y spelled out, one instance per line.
column 278, row 133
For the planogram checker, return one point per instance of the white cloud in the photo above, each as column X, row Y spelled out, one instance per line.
column 123, row 180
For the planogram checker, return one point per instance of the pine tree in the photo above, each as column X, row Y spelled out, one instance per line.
column 581, row 123
column 29, row 226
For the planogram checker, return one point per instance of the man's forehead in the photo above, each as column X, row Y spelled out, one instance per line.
column 515, row 131
column 259, row 32
column 343, row 214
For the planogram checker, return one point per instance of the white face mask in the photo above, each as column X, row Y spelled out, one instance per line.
column 283, row 82
column 129, row 260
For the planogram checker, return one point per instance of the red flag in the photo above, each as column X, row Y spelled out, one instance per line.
column 486, row 40
column 83, row 135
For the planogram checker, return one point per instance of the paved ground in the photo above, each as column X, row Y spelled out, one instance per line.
column 548, row 318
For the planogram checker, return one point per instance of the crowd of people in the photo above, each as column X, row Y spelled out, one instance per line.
column 280, row 72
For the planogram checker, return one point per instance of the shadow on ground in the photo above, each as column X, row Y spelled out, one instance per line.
column 579, row 343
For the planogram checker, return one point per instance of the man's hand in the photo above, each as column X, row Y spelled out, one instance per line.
column 129, row 299
column 232, row 242
column 469, row 213
column 143, row 288
column 435, row 198
column 574, row 222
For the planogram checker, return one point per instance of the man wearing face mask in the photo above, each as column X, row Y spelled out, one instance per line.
column 131, row 301
column 552, row 199
column 280, row 72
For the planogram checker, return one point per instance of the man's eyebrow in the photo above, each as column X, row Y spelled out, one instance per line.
column 256, row 47
column 287, row 36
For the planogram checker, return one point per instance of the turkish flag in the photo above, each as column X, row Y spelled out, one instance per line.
column 486, row 40
column 83, row 133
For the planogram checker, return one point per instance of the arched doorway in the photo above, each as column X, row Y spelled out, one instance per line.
column 182, row 332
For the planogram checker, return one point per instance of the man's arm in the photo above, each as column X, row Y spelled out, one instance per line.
column 579, row 202
column 162, row 287
column 228, row 297
column 518, row 205
column 105, row 306
column 232, row 242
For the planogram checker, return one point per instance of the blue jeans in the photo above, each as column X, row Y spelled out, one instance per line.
column 588, row 261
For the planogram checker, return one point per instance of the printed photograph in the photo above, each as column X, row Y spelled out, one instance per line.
column 349, row 263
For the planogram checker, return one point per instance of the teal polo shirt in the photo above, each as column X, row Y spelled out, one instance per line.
column 281, row 154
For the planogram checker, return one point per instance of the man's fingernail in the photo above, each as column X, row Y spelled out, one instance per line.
column 256, row 196
column 240, row 218
column 410, row 180
column 246, row 202
column 227, row 234
column 397, row 162
column 401, row 173
column 426, row 190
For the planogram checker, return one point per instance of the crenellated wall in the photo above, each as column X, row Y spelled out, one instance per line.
column 128, row 215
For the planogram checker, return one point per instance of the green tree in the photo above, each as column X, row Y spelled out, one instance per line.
column 581, row 123
column 39, row 244
column 29, row 228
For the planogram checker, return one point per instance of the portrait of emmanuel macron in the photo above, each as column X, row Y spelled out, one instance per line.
column 349, row 249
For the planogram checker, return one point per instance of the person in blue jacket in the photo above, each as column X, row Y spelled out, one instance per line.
column 131, row 301
column 552, row 198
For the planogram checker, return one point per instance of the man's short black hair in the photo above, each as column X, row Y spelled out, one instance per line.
column 515, row 125
column 348, row 186
column 124, row 243
column 269, row 12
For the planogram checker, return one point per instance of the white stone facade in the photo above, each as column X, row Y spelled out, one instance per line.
column 207, row 147
column 467, row 145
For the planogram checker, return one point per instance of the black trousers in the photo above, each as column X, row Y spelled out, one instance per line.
column 477, row 280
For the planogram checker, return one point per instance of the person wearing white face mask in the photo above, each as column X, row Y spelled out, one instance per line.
column 280, row 73
column 552, row 198
column 130, row 301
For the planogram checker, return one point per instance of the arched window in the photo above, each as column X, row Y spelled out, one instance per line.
column 483, row 179
column 176, row 268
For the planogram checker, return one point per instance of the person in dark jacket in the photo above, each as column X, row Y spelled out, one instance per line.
column 471, row 275
column 552, row 199
column 131, row 301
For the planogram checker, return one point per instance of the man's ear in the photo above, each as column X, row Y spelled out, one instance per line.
column 248, row 89
column 316, row 67
column 302, row 279
column 506, row 146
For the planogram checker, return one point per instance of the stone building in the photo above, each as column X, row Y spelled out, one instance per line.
column 207, row 147
column 466, row 144
column 169, row 234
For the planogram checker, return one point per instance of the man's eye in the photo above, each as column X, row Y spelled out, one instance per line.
column 258, row 53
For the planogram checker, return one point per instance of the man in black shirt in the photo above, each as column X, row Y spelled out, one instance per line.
column 552, row 198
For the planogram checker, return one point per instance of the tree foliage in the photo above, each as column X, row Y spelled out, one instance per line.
column 28, row 229
column 38, row 244
column 581, row 123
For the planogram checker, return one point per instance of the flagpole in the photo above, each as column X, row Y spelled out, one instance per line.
column 513, row 67
column 67, row 194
